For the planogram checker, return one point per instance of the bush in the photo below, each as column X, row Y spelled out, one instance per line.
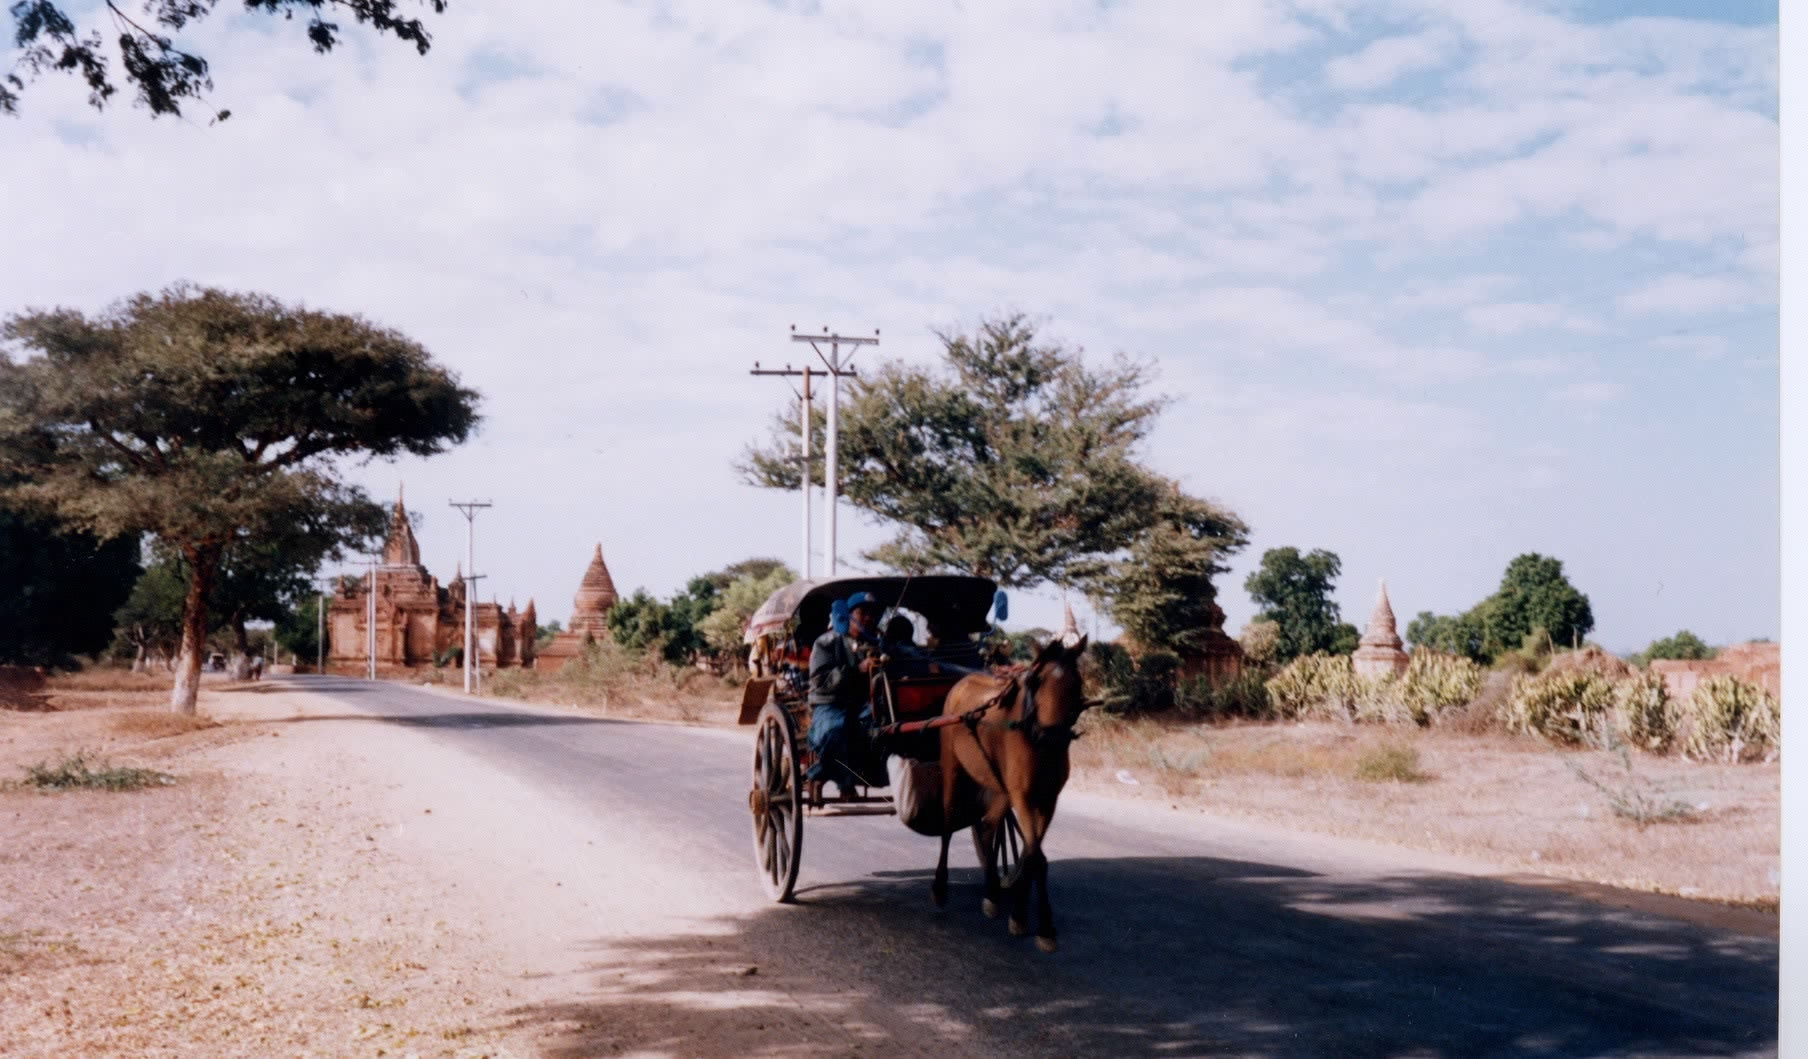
column 1395, row 763
column 1315, row 685
column 1244, row 696
column 76, row 772
column 1643, row 712
column 1327, row 686
column 1436, row 682
column 1728, row 719
column 1568, row 706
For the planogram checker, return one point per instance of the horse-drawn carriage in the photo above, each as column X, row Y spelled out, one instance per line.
column 898, row 750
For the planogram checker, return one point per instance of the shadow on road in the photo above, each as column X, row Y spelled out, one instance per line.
column 1178, row 957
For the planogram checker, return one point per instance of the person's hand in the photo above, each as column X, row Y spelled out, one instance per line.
column 870, row 663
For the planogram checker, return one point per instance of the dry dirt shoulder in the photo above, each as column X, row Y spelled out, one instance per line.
column 251, row 909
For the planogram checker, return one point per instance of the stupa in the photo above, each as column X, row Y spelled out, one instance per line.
column 589, row 616
column 1378, row 654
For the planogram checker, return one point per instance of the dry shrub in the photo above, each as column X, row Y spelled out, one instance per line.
column 1571, row 706
column 1643, row 713
column 158, row 724
column 1728, row 719
column 1390, row 763
column 108, row 678
column 77, row 772
column 1593, row 659
column 606, row 675
column 1326, row 686
column 1317, row 686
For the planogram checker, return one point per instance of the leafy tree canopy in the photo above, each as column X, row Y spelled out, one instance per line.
column 1294, row 592
column 1533, row 594
column 1685, row 646
column 1015, row 460
column 1461, row 635
column 150, row 620
column 162, row 73
column 1160, row 591
column 58, row 589
column 211, row 420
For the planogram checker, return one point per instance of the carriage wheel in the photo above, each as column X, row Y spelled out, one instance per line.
column 885, row 704
column 777, row 803
column 1007, row 845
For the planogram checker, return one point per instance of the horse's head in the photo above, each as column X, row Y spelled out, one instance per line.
column 1051, row 692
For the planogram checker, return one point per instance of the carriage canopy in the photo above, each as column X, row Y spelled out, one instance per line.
column 954, row 605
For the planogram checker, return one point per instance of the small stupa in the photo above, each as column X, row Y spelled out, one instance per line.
column 1379, row 653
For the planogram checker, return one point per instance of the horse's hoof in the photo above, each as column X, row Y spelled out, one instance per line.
column 1018, row 930
column 1046, row 944
column 939, row 894
column 990, row 908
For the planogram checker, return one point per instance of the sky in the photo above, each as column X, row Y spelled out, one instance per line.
column 1429, row 285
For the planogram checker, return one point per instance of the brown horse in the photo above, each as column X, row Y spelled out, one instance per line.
column 1012, row 746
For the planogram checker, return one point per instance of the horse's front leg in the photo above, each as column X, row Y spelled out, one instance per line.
column 938, row 890
column 1032, row 824
column 1045, row 912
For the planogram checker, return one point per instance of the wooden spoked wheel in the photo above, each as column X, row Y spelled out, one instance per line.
column 885, row 703
column 1006, row 851
column 777, row 803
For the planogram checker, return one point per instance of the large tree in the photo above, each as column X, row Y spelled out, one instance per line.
column 212, row 420
column 58, row 589
column 1160, row 591
column 162, row 73
column 1534, row 593
column 1015, row 461
column 1294, row 592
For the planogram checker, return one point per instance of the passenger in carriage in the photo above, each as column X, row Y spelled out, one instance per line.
column 841, row 668
column 903, row 657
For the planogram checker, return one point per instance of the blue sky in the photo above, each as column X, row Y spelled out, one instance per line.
column 1430, row 284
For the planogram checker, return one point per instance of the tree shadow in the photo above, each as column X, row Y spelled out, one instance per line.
column 1179, row 956
column 464, row 721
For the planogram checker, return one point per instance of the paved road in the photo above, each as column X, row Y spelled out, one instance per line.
column 1180, row 935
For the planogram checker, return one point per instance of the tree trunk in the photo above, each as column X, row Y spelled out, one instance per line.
column 141, row 660
column 204, row 563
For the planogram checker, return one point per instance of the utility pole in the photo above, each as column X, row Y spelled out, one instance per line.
column 837, row 368
column 370, row 618
column 804, row 445
column 470, row 509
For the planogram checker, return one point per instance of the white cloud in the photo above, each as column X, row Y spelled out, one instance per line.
column 603, row 232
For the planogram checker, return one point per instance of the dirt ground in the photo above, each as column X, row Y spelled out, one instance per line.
column 266, row 905
column 237, row 912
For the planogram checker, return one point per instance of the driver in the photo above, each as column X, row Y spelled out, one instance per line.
column 841, row 668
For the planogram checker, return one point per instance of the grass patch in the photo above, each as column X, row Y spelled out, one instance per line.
column 77, row 772
column 1390, row 763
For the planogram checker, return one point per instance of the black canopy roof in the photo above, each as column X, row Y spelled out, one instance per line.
column 954, row 604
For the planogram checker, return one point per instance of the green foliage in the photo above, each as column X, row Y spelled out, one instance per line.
column 58, row 590
column 639, row 622
column 1461, row 635
column 1567, row 706
column 150, row 620
column 1294, row 591
column 76, row 772
column 162, row 74
column 1534, row 598
column 1685, row 646
column 211, row 420
column 1161, row 591
column 298, row 628
column 1728, row 719
column 1644, row 714
column 1533, row 594
column 1016, row 461
column 753, row 581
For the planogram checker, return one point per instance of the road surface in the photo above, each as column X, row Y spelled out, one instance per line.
column 1180, row 934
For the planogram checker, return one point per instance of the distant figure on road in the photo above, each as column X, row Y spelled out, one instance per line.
column 257, row 667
